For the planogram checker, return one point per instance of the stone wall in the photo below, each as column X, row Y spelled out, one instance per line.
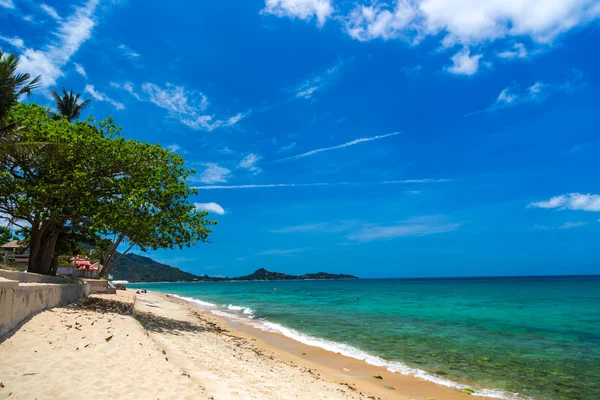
column 30, row 277
column 22, row 299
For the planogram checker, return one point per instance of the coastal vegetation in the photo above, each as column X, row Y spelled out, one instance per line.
column 68, row 184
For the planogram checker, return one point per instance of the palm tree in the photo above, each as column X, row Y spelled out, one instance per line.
column 12, row 86
column 68, row 105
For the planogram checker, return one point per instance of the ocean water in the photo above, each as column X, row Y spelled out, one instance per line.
column 528, row 337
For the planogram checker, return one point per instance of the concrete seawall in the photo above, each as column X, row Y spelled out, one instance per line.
column 23, row 295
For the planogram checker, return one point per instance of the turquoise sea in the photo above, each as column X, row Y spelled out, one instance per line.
column 531, row 337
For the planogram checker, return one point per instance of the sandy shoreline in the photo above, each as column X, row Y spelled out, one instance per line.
column 153, row 346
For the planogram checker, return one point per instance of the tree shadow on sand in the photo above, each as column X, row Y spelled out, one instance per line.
column 159, row 324
column 149, row 321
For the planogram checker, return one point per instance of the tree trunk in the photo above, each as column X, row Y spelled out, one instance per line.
column 41, row 249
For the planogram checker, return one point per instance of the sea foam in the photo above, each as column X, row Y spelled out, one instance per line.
column 246, row 313
column 202, row 304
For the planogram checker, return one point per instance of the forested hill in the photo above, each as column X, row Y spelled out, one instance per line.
column 264, row 275
column 136, row 268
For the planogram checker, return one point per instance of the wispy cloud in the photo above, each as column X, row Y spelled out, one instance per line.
column 7, row 4
column 213, row 173
column 186, row 106
column 288, row 147
column 128, row 52
column 173, row 148
column 51, row 12
column 102, row 97
column 80, row 70
column 280, row 252
column 341, row 146
column 318, row 81
column 71, row 34
column 210, row 207
column 128, row 87
column 566, row 225
column 419, row 226
column 321, row 227
column 538, row 92
column 570, row 201
column 249, row 163
column 13, row 41
column 287, row 185
column 517, row 51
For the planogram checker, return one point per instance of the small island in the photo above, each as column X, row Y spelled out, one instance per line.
column 136, row 268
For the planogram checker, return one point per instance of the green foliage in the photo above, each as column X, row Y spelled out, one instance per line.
column 88, row 180
column 5, row 235
column 13, row 84
column 68, row 104
column 135, row 268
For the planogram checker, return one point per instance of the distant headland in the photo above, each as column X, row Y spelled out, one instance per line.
column 136, row 268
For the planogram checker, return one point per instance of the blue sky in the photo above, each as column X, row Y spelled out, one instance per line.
column 384, row 139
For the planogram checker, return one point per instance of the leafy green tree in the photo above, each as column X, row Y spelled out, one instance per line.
column 13, row 85
column 95, row 183
column 69, row 105
column 5, row 235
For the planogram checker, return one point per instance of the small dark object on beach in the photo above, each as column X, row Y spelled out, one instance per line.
column 389, row 387
column 109, row 338
column 377, row 376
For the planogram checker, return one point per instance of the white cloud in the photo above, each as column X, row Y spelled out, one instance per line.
column 7, row 4
column 249, row 163
column 184, row 105
column 301, row 9
column 538, row 92
column 420, row 226
column 80, row 70
column 341, row 146
column 470, row 22
column 288, row 185
column 102, row 97
column 128, row 87
column 463, row 63
column 466, row 23
column 566, row 225
column 317, row 81
column 288, row 147
column 128, row 51
column 210, row 207
column 571, row 201
column 72, row 33
column 280, row 252
column 14, row 41
column 214, row 174
column 173, row 148
column 175, row 98
column 518, row 51
column 366, row 23
column 51, row 12
column 28, row 18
